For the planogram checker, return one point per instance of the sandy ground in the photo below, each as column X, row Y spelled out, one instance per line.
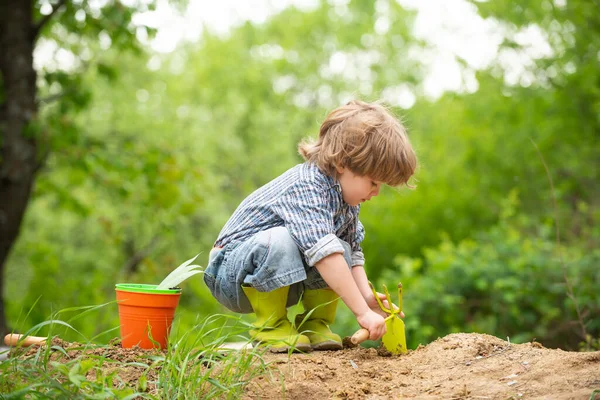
column 457, row 366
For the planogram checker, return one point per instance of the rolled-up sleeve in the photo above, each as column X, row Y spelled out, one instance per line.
column 326, row 246
column 308, row 214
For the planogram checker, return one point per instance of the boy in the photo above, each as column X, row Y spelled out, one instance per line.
column 299, row 235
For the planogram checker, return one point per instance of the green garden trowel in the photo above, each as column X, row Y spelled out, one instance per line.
column 394, row 339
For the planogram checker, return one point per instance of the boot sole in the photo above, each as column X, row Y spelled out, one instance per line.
column 327, row 346
column 298, row 349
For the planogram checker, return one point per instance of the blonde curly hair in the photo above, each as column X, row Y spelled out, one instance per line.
column 366, row 139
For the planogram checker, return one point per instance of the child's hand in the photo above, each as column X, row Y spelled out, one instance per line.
column 374, row 305
column 374, row 323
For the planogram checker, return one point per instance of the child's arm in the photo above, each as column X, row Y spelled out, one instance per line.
column 335, row 272
column 358, row 272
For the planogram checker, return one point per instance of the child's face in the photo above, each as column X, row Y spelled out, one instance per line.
column 355, row 188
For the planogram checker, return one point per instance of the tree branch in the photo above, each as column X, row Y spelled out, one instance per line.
column 38, row 27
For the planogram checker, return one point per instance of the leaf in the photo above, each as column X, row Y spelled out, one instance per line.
column 60, row 367
column 75, row 376
column 294, row 311
column 143, row 383
column 180, row 274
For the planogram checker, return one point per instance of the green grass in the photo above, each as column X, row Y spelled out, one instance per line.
column 193, row 366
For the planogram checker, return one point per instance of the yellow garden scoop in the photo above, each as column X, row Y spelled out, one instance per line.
column 394, row 339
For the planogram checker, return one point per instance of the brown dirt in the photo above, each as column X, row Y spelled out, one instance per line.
column 458, row 366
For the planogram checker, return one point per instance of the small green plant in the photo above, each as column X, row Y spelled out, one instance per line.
column 196, row 365
column 180, row 274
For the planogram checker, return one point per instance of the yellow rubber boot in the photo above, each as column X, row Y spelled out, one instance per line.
column 323, row 302
column 273, row 329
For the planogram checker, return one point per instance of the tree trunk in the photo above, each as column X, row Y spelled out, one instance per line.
column 18, row 155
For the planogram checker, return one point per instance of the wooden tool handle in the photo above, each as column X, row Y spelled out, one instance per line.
column 13, row 338
column 360, row 336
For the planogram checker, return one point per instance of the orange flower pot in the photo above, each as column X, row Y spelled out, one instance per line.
column 145, row 314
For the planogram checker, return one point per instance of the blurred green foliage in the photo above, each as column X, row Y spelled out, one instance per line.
column 502, row 280
column 150, row 158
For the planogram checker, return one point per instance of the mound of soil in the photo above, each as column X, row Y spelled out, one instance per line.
column 457, row 366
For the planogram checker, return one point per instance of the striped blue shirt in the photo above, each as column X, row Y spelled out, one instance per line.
column 309, row 204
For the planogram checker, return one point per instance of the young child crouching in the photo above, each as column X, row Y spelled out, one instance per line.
column 299, row 235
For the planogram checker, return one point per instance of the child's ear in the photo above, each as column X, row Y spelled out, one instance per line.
column 340, row 170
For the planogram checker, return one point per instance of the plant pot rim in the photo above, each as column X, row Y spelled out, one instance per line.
column 145, row 288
